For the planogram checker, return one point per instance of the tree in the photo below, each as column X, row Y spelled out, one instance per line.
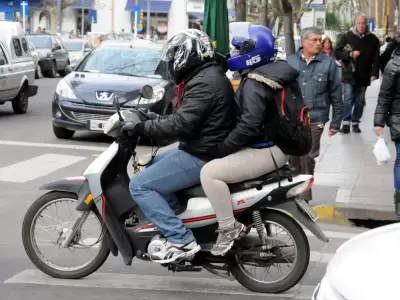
column 240, row 10
column 51, row 7
column 287, row 10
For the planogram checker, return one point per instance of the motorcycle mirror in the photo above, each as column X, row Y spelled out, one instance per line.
column 118, row 106
column 147, row 92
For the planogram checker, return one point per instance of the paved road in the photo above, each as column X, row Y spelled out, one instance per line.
column 30, row 156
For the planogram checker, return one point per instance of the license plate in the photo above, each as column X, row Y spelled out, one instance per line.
column 307, row 209
column 96, row 125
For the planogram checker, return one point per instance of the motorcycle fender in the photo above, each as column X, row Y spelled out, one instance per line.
column 296, row 212
column 77, row 185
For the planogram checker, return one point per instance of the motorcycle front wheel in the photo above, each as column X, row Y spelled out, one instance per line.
column 276, row 224
column 60, row 227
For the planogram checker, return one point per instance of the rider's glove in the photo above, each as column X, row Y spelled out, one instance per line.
column 133, row 128
column 153, row 116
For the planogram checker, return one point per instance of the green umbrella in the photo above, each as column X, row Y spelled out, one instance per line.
column 216, row 24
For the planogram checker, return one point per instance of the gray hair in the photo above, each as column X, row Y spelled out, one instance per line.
column 306, row 32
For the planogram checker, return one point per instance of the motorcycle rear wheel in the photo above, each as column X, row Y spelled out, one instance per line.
column 30, row 215
column 300, row 265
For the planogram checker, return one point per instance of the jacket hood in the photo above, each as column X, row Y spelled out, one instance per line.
column 277, row 74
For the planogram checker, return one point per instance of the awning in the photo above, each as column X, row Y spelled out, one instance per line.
column 200, row 15
column 155, row 6
column 87, row 4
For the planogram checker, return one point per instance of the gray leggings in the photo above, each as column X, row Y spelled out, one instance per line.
column 240, row 166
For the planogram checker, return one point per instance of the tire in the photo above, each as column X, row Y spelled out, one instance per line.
column 20, row 102
column 63, row 133
column 299, row 269
column 63, row 73
column 92, row 267
column 37, row 72
column 52, row 73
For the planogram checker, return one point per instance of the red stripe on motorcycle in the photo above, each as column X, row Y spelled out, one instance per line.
column 190, row 220
column 103, row 205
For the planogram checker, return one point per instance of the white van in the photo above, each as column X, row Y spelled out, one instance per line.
column 17, row 68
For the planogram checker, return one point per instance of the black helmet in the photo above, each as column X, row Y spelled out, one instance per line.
column 186, row 51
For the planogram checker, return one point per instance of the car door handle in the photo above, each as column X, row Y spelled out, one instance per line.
column 10, row 68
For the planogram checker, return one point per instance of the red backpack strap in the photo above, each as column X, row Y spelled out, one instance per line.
column 179, row 91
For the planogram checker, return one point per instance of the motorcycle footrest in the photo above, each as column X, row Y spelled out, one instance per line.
column 184, row 268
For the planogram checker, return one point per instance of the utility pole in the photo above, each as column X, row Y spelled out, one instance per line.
column 148, row 20
column 112, row 16
column 59, row 16
column 83, row 25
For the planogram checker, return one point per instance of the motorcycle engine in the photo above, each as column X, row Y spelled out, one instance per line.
column 156, row 245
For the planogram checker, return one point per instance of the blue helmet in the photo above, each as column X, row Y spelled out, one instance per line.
column 253, row 48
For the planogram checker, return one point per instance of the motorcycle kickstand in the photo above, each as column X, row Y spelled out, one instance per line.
column 78, row 222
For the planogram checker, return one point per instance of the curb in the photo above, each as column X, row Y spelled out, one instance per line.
column 343, row 214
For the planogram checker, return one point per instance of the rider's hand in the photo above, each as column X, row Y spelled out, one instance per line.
column 153, row 116
column 131, row 128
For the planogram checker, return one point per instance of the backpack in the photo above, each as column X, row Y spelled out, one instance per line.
column 292, row 129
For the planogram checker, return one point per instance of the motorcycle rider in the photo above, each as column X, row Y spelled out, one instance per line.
column 247, row 152
column 203, row 120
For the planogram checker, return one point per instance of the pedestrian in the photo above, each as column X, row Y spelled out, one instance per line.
column 388, row 112
column 387, row 53
column 384, row 46
column 358, row 49
column 327, row 47
column 319, row 80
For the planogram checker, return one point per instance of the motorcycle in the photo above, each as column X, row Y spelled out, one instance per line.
column 261, row 203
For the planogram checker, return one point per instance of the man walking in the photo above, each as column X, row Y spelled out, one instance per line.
column 359, row 51
column 319, row 80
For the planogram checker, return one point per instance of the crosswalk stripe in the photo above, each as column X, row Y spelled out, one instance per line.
column 150, row 283
column 36, row 167
column 53, row 146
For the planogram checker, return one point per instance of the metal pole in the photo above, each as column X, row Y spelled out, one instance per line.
column 136, row 23
column 83, row 24
column 148, row 20
column 370, row 15
column 23, row 15
column 112, row 16
column 59, row 16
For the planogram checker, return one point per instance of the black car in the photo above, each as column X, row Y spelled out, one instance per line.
column 84, row 98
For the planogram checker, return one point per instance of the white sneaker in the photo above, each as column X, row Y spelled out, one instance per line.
column 175, row 253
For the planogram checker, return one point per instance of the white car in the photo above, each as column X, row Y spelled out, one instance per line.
column 77, row 50
column 366, row 267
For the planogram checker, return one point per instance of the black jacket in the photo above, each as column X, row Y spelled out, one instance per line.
column 256, row 108
column 367, row 63
column 204, row 118
column 388, row 107
column 387, row 54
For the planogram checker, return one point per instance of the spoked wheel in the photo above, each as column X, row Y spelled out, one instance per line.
column 45, row 227
column 263, row 271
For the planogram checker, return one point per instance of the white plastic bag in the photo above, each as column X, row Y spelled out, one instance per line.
column 381, row 152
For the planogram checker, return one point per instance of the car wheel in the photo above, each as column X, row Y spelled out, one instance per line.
column 20, row 102
column 38, row 72
column 63, row 133
column 63, row 73
column 53, row 71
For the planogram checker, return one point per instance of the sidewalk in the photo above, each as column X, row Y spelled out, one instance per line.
column 348, row 170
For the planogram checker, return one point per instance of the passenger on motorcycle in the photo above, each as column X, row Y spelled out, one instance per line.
column 247, row 152
column 203, row 120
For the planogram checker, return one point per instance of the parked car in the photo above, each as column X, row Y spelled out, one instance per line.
column 54, row 57
column 17, row 69
column 35, row 57
column 364, row 268
column 77, row 50
column 84, row 98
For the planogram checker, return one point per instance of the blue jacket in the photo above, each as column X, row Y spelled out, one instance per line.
column 321, row 87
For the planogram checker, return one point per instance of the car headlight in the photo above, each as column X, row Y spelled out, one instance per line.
column 326, row 291
column 158, row 95
column 63, row 89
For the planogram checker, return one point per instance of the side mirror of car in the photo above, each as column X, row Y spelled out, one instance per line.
column 2, row 62
column 58, row 47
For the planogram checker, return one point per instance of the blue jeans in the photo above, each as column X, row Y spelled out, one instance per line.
column 154, row 187
column 353, row 96
column 397, row 169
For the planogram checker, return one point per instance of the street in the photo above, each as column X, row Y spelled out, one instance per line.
column 31, row 155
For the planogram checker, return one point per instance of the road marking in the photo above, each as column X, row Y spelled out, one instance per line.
column 37, row 167
column 334, row 234
column 53, row 146
column 151, row 283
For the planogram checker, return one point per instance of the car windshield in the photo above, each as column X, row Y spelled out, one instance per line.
column 73, row 46
column 139, row 62
column 40, row 41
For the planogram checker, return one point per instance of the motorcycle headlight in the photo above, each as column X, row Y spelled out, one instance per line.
column 158, row 95
column 63, row 89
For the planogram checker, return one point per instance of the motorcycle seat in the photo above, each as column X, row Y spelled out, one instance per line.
column 197, row 191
